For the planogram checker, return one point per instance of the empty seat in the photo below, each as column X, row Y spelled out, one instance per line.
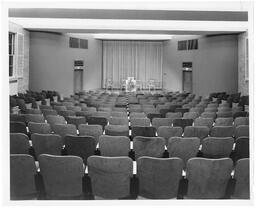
column 66, row 113
column 82, row 146
column 211, row 109
column 147, row 131
column 148, row 146
column 64, row 130
column 173, row 115
column 62, row 176
column 22, row 177
column 217, row 147
column 168, row 131
column 113, row 146
column 74, row 108
column 102, row 114
column 157, row 122
column 18, row 127
column 119, row 121
column 242, row 131
column 208, row 178
column 222, row 131
column 117, row 130
column 110, row 176
column 182, row 110
column 154, row 115
column 18, row 117
column 40, row 128
column 137, row 115
column 59, row 108
column 242, row 177
column 36, row 118
column 191, row 115
column 19, row 143
column 140, row 122
column 204, row 122
column 241, row 148
column 159, row 177
column 184, row 148
column 42, row 107
column 208, row 115
column 225, row 114
column 33, row 111
column 97, row 121
column 196, row 131
column 51, row 119
column 90, row 130
column 47, row 112
column 182, row 122
column 224, row 121
column 46, row 144
column 240, row 114
column 76, row 120
column 241, row 121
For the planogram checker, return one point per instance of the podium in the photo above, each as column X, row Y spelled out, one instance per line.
column 130, row 84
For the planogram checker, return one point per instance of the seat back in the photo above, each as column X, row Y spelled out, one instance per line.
column 52, row 119
column 22, row 176
column 64, row 130
column 40, row 128
column 159, row 177
column 62, row 175
column 97, row 121
column 47, row 112
column 241, row 148
column 110, row 176
column 19, row 143
column 114, row 146
column 242, row 131
column 76, row 120
column 241, row 121
column 147, row 131
column 224, row 121
column 148, row 146
column 46, row 144
column 196, row 131
column 183, row 122
column 204, row 122
column 222, row 131
column 81, row 146
column 90, row 130
column 169, row 131
column 184, row 148
column 117, row 130
column 157, row 122
column 242, row 177
column 208, row 178
column 36, row 118
column 191, row 115
column 18, row 127
column 119, row 121
column 217, row 147
column 140, row 122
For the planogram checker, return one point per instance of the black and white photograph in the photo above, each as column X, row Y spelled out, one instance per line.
column 127, row 103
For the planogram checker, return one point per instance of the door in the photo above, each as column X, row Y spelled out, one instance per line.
column 78, row 80
column 187, row 81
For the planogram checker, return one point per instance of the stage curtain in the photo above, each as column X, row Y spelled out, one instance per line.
column 142, row 60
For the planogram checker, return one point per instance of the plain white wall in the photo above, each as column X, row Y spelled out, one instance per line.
column 51, row 62
column 215, row 64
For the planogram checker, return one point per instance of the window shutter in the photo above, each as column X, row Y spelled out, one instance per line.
column 20, row 54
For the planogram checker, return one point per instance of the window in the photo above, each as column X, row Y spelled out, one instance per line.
column 16, row 54
column 11, row 54
column 182, row 45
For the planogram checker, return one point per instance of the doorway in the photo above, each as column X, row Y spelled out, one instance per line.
column 78, row 80
column 187, row 80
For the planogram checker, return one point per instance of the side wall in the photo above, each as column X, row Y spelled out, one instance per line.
column 51, row 62
column 215, row 65
column 20, row 84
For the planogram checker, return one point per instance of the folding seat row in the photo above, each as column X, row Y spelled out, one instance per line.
column 111, row 177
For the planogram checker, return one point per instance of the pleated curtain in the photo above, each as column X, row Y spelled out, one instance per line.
column 142, row 60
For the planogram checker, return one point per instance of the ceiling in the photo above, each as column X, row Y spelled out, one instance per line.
column 124, row 20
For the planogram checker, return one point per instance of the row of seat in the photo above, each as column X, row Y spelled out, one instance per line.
column 110, row 177
column 85, row 146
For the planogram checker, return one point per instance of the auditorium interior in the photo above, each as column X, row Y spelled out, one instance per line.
column 132, row 101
